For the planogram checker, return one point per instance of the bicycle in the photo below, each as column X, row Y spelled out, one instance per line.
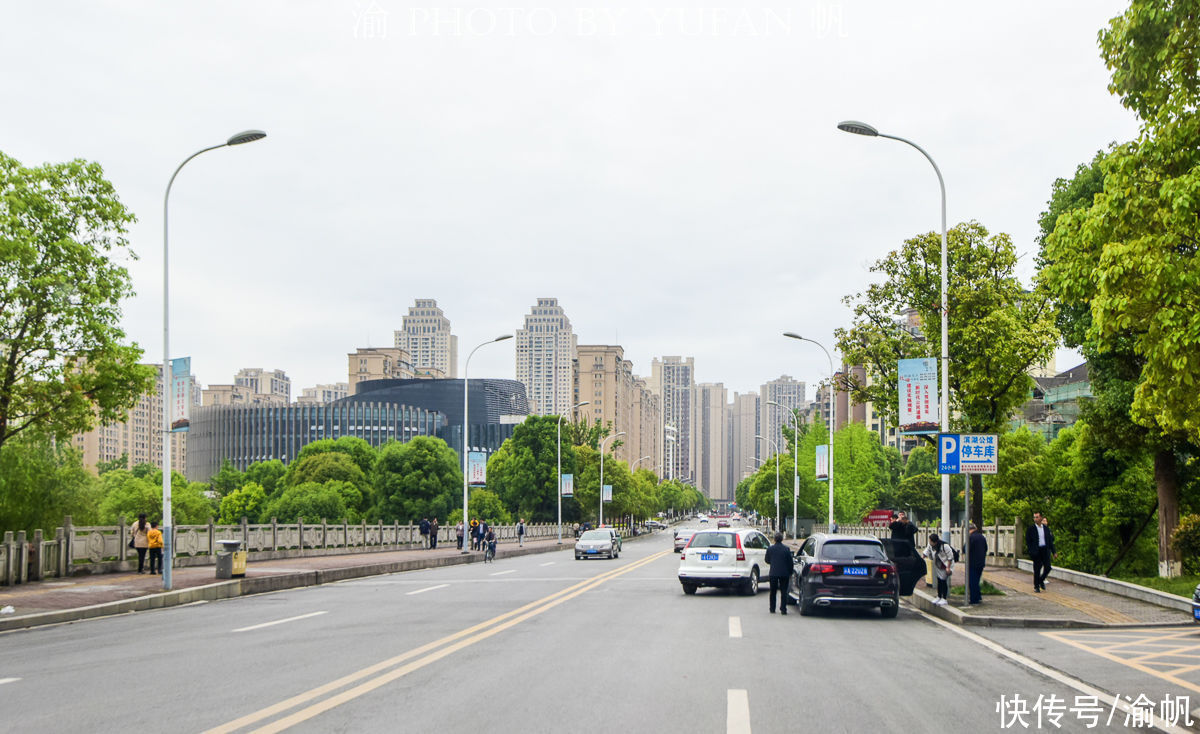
column 489, row 554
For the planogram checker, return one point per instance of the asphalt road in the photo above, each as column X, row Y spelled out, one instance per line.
column 532, row 644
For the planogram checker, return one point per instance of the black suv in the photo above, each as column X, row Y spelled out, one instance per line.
column 851, row 570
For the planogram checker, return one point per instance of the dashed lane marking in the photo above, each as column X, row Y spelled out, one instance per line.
column 501, row 573
column 8, row 680
column 279, row 621
column 735, row 626
column 543, row 565
column 427, row 588
column 737, row 711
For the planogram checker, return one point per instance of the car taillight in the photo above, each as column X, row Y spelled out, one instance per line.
column 886, row 569
column 741, row 554
column 822, row 568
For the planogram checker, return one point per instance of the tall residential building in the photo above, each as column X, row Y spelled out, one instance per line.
column 377, row 363
column 744, row 451
column 263, row 382
column 546, row 353
column 789, row 393
column 425, row 335
column 323, row 394
column 710, row 440
column 139, row 436
column 604, row 378
column 672, row 380
column 647, row 424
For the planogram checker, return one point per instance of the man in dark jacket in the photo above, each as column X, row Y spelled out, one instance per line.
column 424, row 528
column 902, row 528
column 779, row 558
column 1039, row 542
column 977, row 548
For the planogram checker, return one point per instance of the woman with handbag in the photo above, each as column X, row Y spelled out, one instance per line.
column 140, row 540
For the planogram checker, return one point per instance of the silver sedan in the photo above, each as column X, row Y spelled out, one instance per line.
column 595, row 543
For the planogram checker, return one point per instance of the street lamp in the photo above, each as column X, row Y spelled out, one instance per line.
column 775, row 447
column 638, row 462
column 622, row 433
column 862, row 128
column 246, row 136
column 832, row 415
column 466, row 434
column 573, row 407
column 795, row 465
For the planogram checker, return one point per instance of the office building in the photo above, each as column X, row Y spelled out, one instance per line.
column 545, row 358
column 377, row 363
column 425, row 336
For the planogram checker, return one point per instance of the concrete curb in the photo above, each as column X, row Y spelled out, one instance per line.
column 924, row 601
column 1115, row 587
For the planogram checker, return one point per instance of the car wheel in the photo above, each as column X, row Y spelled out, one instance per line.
column 750, row 587
column 617, row 553
column 689, row 589
column 806, row 607
column 890, row 612
column 578, row 557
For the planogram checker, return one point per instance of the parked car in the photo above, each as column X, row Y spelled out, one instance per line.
column 682, row 536
column 726, row 558
column 596, row 543
column 1196, row 604
column 849, row 570
column 656, row 525
column 722, row 523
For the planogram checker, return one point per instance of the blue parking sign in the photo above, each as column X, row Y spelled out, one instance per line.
column 968, row 453
column 949, row 445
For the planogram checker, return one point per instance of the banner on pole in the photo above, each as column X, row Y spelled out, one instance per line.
column 568, row 485
column 181, row 398
column 796, row 489
column 608, row 493
column 823, row 463
column 477, row 468
column 918, row 396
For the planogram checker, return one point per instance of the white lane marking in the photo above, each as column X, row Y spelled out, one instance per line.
column 1051, row 673
column 501, row 573
column 8, row 680
column 427, row 588
column 551, row 563
column 737, row 716
column 278, row 621
column 735, row 626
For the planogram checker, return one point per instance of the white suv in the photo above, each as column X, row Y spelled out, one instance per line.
column 724, row 557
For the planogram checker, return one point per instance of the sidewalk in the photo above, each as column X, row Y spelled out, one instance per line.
column 1062, row 605
column 71, row 599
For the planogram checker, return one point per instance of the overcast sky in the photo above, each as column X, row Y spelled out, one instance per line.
column 671, row 172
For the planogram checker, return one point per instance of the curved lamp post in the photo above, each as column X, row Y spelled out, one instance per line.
column 622, row 433
column 246, row 136
column 832, row 415
column 573, row 407
column 466, row 435
column 775, row 448
column 862, row 128
column 795, row 465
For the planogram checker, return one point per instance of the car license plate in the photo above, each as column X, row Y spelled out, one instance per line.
column 710, row 557
column 592, row 550
column 1196, row 612
column 854, row 571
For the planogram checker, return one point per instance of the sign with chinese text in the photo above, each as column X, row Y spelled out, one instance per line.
column 918, row 396
column 181, row 393
column 608, row 493
column 568, row 485
column 968, row 453
column 823, row 462
column 476, row 468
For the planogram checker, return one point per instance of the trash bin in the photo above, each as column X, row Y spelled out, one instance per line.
column 226, row 558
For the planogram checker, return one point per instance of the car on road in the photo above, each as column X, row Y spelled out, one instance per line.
column 656, row 525
column 730, row 558
column 722, row 523
column 1196, row 604
column 597, row 543
column 682, row 536
column 703, row 518
column 615, row 535
column 850, row 570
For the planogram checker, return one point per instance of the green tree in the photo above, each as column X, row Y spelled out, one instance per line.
column 584, row 433
column 64, row 367
column 227, row 479
column 482, row 504
column 121, row 462
column 524, row 471
column 420, row 478
column 998, row 330
column 310, row 502
column 41, row 481
column 359, row 451
column 126, row 495
column 248, row 501
column 268, row 475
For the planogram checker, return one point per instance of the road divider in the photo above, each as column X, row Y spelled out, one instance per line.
column 279, row 621
column 8, row 680
column 400, row 665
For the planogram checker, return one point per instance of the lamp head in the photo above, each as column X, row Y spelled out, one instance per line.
column 585, row 402
column 858, row 128
column 246, row 136
column 792, row 335
column 502, row 338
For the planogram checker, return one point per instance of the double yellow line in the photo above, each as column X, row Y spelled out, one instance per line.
column 386, row 671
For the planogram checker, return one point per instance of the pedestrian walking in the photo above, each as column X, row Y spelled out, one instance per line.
column 139, row 538
column 433, row 531
column 521, row 533
column 424, row 528
column 977, row 548
column 1039, row 541
column 458, row 534
column 902, row 528
column 779, row 558
column 474, row 533
column 154, row 542
column 942, row 556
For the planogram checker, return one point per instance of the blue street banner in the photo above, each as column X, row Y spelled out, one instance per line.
column 477, row 468
column 608, row 493
column 918, row 396
column 823, row 463
column 568, row 485
column 181, row 394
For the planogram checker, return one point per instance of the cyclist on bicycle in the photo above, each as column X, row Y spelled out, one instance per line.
column 490, row 539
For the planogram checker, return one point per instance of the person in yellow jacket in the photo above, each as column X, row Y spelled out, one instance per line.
column 154, row 540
